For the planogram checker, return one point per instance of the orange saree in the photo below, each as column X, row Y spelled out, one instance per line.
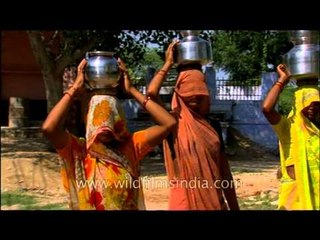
column 193, row 172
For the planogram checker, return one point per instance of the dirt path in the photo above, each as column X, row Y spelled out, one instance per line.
column 28, row 166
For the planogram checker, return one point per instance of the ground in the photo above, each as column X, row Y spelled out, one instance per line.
column 30, row 177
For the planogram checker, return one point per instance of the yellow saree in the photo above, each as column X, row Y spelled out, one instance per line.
column 301, row 149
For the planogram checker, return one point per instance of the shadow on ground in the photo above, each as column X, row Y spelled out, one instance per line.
column 153, row 166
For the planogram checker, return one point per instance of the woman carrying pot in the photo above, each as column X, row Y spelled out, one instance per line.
column 299, row 141
column 101, row 171
column 197, row 168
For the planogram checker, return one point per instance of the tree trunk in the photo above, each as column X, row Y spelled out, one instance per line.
column 51, row 81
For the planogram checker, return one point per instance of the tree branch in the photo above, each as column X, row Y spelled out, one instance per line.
column 52, row 39
column 38, row 46
column 52, row 86
column 65, row 60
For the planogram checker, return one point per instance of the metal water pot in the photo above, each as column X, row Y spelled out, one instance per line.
column 303, row 59
column 193, row 49
column 102, row 70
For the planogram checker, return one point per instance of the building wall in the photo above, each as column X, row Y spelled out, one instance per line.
column 20, row 73
column 246, row 115
column 249, row 120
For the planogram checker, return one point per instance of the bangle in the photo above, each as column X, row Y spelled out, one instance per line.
column 145, row 102
column 280, row 85
column 70, row 92
column 163, row 72
column 67, row 93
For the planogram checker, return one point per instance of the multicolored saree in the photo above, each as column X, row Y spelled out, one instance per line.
column 103, row 176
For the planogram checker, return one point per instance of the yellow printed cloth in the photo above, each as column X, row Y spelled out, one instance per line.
column 101, row 176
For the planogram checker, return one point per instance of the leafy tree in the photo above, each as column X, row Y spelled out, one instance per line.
column 245, row 54
column 55, row 50
column 151, row 59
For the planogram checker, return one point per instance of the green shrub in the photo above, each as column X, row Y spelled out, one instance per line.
column 286, row 100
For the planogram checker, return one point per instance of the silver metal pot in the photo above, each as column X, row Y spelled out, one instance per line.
column 303, row 59
column 193, row 49
column 304, row 37
column 102, row 70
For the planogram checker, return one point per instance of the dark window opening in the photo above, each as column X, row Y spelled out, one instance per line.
column 37, row 111
column 4, row 112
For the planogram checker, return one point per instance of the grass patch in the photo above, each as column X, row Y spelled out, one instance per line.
column 53, row 206
column 13, row 198
column 265, row 202
column 27, row 202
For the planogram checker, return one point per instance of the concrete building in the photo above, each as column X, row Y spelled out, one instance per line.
column 20, row 76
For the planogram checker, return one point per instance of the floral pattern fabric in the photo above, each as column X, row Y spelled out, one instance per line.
column 102, row 177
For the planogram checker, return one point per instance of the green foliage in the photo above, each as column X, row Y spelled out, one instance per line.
column 138, row 73
column 242, row 53
column 264, row 201
column 245, row 83
column 151, row 58
column 286, row 100
column 245, row 54
column 131, row 46
column 28, row 202
column 123, row 43
column 13, row 198
column 53, row 206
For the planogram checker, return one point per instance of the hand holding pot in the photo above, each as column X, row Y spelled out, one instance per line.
column 284, row 73
column 79, row 81
column 127, row 85
column 171, row 52
column 78, row 86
